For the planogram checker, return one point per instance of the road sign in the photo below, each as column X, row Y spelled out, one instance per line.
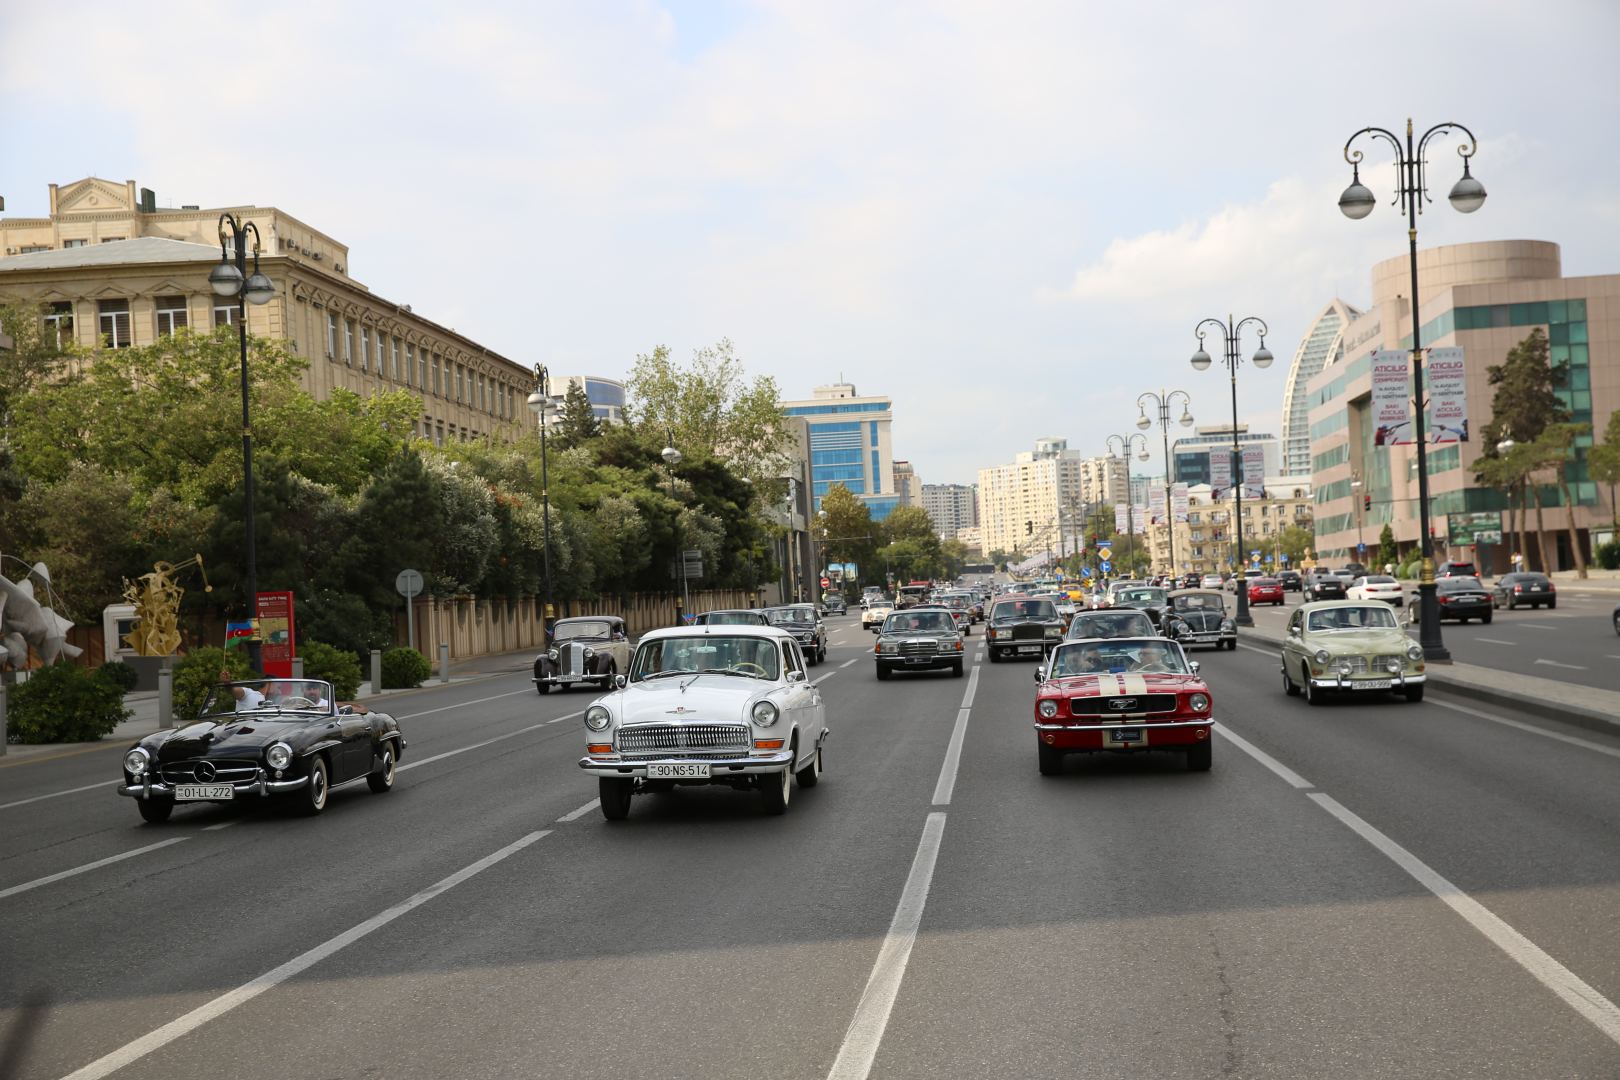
column 1361, row 547
column 1106, row 567
column 1285, row 558
column 408, row 583
column 1105, row 553
column 1255, row 554
column 1268, row 560
column 826, row 583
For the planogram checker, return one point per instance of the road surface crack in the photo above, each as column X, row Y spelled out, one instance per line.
column 1233, row 1061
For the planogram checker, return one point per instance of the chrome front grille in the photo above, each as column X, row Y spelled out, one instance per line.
column 1028, row 632
column 226, row 771
column 573, row 658
column 1127, row 703
column 918, row 648
column 679, row 738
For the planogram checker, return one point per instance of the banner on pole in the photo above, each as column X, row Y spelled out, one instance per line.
column 1391, row 398
column 1254, row 472
column 1157, row 508
column 1178, row 502
column 1448, row 396
column 1220, row 473
column 1120, row 524
column 1139, row 519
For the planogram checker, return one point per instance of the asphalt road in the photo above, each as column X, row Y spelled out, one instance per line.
column 1574, row 642
column 1388, row 889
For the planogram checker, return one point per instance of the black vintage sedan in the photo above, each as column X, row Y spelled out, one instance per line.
column 1023, row 626
column 804, row 624
column 281, row 738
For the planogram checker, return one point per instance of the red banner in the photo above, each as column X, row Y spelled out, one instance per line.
column 277, row 643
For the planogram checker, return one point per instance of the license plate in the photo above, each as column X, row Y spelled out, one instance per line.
column 917, row 661
column 1125, row 736
column 682, row 771
column 203, row 792
column 1029, row 648
column 1372, row 684
column 1206, row 637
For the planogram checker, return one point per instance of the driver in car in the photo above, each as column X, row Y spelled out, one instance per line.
column 1152, row 657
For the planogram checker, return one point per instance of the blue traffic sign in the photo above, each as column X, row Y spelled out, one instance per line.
column 1285, row 558
column 1361, row 546
column 1268, row 560
column 1107, row 567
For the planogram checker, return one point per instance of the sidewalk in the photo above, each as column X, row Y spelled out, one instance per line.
column 1583, row 706
column 143, row 704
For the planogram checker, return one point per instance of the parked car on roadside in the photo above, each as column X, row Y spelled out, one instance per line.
column 1349, row 646
column 585, row 651
column 1524, row 589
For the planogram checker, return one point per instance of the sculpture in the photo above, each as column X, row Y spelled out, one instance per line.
column 156, row 597
column 24, row 621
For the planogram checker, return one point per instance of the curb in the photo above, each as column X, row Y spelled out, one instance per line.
column 1454, row 679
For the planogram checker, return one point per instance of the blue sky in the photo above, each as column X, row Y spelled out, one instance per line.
column 1007, row 216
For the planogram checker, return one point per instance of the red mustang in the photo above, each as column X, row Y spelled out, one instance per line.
column 1121, row 696
column 1265, row 590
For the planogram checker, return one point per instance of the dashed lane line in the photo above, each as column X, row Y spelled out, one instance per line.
column 1556, row 664
column 1493, row 641
column 463, row 704
column 87, row 867
column 58, row 794
column 575, row 815
column 846, row 663
column 946, row 785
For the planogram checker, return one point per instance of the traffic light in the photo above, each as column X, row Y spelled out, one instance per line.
column 1366, row 502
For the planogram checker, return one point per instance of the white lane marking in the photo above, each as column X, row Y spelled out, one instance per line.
column 819, row 678
column 865, row 1034
column 56, row 794
column 463, row 705
column 174, row 1029
column 1575, row 992
column 221, row 825
column 87, row 867
column 1536, row 626
column 946, row 785
column 1567, row 667
column 575, row 815
column 972, row 688
column 479, row 745
column 1289, row 776
column 846, row 663
column 1532, row 729
column 1274, row 651
column 1492, row 641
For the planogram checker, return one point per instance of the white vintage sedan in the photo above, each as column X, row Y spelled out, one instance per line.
column 725, row 705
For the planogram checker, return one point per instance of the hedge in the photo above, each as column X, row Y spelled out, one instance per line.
column 404, row 667
column 339, row 667
column 64, row 703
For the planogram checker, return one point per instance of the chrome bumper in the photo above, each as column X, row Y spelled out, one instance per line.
column 1151, row 725
column 563, row 680
column 1340, row 682
column 150, row 788
column 718, row 767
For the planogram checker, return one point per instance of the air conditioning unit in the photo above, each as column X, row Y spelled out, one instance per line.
column 315, row 255
column 338, row 267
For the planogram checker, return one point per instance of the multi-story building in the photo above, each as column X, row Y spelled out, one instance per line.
column 1204, row 542
column 1103, row 480
column 1322, row 344
column 1485, row 298
column 1035, row 501
column 605, row 395
column 850, row 444
column 971, row 537
column 952, row 507
column 111, row 270
column 907, row 487
column 1190, row 453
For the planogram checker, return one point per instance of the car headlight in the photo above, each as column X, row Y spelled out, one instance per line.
column 1228, row 624
column 1321, row 657
column 1047, row 709
column 552, row 656
column 1054, row 631
column 1394, row 665
column 1414, row 652
column 1199, row 702
column 589, row 653
column 765, row 713
column 597, row 717
column 279, row 756
column 135, row 761
column 1346, row 667
column 888, row 647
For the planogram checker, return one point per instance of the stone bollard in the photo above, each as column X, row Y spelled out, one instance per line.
column 3, row 734
column 376, row 671
column 165, row 697
column 298, row 667
column 444, row 661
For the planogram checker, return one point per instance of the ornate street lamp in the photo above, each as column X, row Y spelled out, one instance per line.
column 540, row 403
column 672, row 458
column 230, row 279
column 1231, row 334
column 1163, row 400
column 1125, row 444
column 1467, row 195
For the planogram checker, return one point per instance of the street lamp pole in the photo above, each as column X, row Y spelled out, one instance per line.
column 540, row 402
column 1467, row 195
column 672, row 458
column 1355, row 493
column 1125, row 443
column 1163, row 401
column 1231, row 334
column 231, row 279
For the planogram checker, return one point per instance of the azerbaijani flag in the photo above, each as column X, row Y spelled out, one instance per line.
column 238, row 634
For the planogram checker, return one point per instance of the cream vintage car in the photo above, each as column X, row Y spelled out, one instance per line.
column 727, row 705
column 1351, row 647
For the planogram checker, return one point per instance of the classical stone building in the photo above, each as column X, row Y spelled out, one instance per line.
column 110, row 269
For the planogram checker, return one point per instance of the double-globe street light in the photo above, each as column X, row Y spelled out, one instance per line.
column 1467, row 195
column 231, row 279
column 1125, row 444
column 540, row 403
column 1231, row 334
column 1162, row 401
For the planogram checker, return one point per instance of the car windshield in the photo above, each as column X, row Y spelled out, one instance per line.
column 1141, row 596
column 731, row 618
column 569, row 629
column 1118, row 657
column 695, row 654
column 1351, row 618
column 311, row 696
column 919, row 622
column 1017, row 610
column 1378, row 579
column 1264, row 582
column 1110, row 624
column 1197, row 602
column 1458, row 584
column 783, row 616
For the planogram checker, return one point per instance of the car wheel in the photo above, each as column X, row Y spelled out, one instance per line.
column 882, row 673
column 777, row 789
column 1413, row 693
column 1486, row 618
column 1313, row 696
column 1512, row 604
column 312, row 798
column 156, row 811
column 1231, row 646
column 381, row 780
column 956, row 670
column 1200, row 757
column 1050, row 759
column 1290, row 687
column 1551, row 604
column 810, row 775
column 1617, row 625
column 615, row 793
column 1496, row 603
column 995, row 654
column 543, row 688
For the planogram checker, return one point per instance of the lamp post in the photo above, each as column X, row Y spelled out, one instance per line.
column 1125, row 443
column 1163, row 401
column 540, row 403
column 1231, row 334
column 1355, row 493
column 1467, row 195
column 672, row 458
column 230, row 278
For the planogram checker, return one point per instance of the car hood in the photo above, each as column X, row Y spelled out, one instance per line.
column 707, row 698
column 1128, row 683
column 1359, row 641
column 239, row 738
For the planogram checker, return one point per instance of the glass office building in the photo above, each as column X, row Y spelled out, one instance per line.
column 850, row 444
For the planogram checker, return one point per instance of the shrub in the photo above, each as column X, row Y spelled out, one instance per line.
column 404, row 667
column 198, row 672
column 65, row 703
column 1607, row 555
column 339, row 667
column 119, row 674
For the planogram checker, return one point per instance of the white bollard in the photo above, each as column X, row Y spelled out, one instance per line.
column 298, row 667
column 444, row 661
column 376, row 671
column 165, row 697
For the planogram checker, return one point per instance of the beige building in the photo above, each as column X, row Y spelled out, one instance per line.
column 971, row 537
column 110, row 269
column 1485, row 298
column 1204, row 541
column 907, row 486
column 1042, row 497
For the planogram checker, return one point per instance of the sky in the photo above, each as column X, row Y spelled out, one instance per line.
column 1006, row 216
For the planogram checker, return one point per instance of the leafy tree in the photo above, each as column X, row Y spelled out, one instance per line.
column 1603, row 461
column 1555, row 450
column 1296, row 540
column 1388, row 553
column 83, row 527
column 34, row 356
column 847, row 533
column 1524, row 404
column 578, row 423
column 709, row 406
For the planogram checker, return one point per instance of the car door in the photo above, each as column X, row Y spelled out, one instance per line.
column 353, row 757
column 1294, row 641
column 802, row 701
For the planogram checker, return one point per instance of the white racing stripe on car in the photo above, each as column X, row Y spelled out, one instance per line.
column 196, row 1018
column 87, row 867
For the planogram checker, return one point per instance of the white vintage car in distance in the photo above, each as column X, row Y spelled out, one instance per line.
column 707, row 705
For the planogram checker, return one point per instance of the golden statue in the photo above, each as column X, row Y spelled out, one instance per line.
column 156, row 597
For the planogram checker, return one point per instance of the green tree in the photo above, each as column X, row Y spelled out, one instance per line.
column 847, row 534
column 1524, row 404
column 578, row 423
column 1388, row 553
column 1603, row 462
column 1555, row 449
column 1295, row 541
column 709, row 405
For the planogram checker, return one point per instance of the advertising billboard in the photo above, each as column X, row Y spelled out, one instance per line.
column 1391, row 398
column 1448, row 396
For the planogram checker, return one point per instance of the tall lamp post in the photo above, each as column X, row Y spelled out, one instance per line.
column 1355, row 493
column 1231, row 334
column 1125, row 443
column 1467, row 195
column 672, row 458
column 1163, row 402
column 230, row 278
column 540, row 403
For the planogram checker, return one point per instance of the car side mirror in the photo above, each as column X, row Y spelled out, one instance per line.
column 1195, row 666
column 620, row 680
column 1039, row 675
column 795, row 676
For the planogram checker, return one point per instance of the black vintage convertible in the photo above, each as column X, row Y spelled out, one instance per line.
column 281, row 738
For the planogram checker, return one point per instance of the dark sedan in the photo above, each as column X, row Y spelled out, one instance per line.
column 1290, row 580
column 1460, row 598
column 1324, row 585
column 1151, row 601
column 283, row 738
column 1023, row 626
column 1524, row 590
column 803, row 623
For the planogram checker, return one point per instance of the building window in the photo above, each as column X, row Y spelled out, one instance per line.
column 59, row 323
column 110, row 239
column 33, row 249
column 410, row 362
column 331, row 335
column 365, row 348
column 393, row 359
column 225, row 315
column 459, row 370
column 421, row 369
column 437, row 379
column 114, row 324
column 171, row 314
column 74, row 243
column 348, row 341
